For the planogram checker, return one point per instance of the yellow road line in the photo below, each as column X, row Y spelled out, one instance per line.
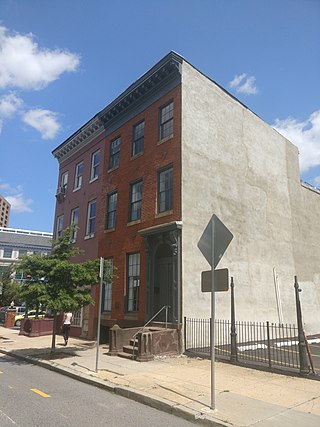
column 41, row 393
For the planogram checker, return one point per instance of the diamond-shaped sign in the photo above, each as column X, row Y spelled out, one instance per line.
column 222, row 238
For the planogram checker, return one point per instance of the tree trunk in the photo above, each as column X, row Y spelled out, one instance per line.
column 53, row 342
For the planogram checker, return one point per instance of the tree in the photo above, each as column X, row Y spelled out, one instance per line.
column 57, row 283
column 10, row 290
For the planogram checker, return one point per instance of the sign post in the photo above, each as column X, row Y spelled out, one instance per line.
column 99, row 312
column 213, row 243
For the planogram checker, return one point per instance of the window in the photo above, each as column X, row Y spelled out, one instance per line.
column 138, row 139
column 7, row 253
column 114, row 153
column 107, row 297
column 135, row 201
column 111, row 210
column 59, row 226
column 64, row 182
column 74, row 223
column 95, row 161
column 91, row 219
column 78, row 176
column 165, row 190
column 133, row 282
column 77, row 318
column 22, row 252
column 166, row 121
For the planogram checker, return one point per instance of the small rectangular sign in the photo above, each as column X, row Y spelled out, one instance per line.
column 221, row 280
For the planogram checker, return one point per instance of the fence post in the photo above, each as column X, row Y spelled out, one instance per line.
column 303, row 358
column 269, row 345
column 185, row 333
column 234, row 354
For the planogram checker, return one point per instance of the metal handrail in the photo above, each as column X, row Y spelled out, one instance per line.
column 150, row 320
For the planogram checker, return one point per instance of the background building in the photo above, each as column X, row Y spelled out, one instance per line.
column 4, row 212
column 143, row 178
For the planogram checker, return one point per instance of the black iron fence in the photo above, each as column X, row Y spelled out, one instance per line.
column 258, row 343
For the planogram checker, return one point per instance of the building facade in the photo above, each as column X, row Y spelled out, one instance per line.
column 142, row 179
column 4, row 212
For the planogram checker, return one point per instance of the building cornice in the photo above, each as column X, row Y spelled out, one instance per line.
column 166, row 70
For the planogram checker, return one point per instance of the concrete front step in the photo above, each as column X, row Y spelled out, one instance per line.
column 127, row 355
column 130, row 349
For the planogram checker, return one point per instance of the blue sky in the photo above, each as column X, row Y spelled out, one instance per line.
column 63, row 61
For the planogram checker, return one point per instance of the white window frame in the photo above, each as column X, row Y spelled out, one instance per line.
column 90, row 219
column 64, row 181
column 73, row 222
column 78, row 176
column 59, row 226
column 77, row 318
column 95, row 166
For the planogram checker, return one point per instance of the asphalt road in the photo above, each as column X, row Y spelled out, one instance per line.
column 31, row 396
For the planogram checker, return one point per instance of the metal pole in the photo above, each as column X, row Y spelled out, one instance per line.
column 304, row 367
column 99, row 311
column 234, row 355
column 212, row 340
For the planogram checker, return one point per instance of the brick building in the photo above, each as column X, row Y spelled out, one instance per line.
column 141, row 180
column 4, row 212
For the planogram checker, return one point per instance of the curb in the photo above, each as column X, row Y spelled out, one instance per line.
column 159, row 403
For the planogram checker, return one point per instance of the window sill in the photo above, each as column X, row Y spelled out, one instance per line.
column 137, row 221
column 110, row 230
column 167, row 138
column 76, row 189
column 93, row 179
column 165, row 213
column 113, row 169
column 136, row 155
column 89, row 236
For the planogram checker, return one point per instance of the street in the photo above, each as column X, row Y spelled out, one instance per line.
column 31, row 396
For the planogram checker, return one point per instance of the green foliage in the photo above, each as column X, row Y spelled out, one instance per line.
column 56, row 282
column 11, row 290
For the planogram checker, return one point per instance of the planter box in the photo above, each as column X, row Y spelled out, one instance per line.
column 36, row 327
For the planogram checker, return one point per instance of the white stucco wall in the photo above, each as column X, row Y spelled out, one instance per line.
column 238, row 167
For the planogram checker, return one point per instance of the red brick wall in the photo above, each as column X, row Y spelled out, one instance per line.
column 125, row 238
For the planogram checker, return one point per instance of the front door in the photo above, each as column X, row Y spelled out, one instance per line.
column 163, row 287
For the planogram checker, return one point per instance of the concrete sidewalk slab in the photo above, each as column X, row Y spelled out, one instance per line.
column 180, row 385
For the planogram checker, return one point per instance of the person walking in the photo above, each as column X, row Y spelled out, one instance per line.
column 67, row 318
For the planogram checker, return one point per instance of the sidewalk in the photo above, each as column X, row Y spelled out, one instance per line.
column 180, row 385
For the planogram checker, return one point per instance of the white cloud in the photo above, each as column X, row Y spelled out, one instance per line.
column 15, row 197
column 24, row 65
column 44, row 121
column 305, row 135
column 9, row 104
column 244, row 84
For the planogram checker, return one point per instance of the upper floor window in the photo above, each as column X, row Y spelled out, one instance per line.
column 7, row 253
column 91, row 219
column 74, row 223
column 138, row 138
column 166, row 121
column 59, row 226
column 133, row 281
column 135, row 200
column 114, row 159
column 22, row 252
column 64, row 181
column 111, row 210
column 165, row 190
column 78, row 176
column 95, row 162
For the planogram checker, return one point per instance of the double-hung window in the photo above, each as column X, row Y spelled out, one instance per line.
column 91, row 219
column 59, row 226
column 135, row 200
column 64, row 182
column 114, row 159
column 107, row 297
column 7, row 253
column 165, row 190
column 111, row 210
column 138, row 139
column 78, row 176
column 166, row 121
column 133, row 281
column 95, row 161
column 74, row 224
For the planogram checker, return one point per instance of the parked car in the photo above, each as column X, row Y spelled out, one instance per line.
column 19, row 309
column 31, row 314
